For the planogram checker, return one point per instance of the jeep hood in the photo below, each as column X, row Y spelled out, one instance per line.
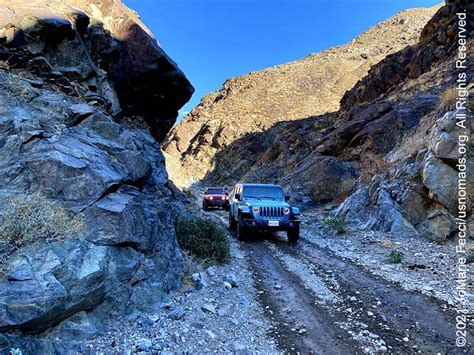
column 266, row 203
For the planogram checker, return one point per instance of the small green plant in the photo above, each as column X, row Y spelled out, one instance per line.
column 346, row 155
column 338, row 224
column 30, row 219
column 273, row 154
column 202, row 238
column 395, row 257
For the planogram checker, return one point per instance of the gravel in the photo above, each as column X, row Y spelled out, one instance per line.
column 217, row 312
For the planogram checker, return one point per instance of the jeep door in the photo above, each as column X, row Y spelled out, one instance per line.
column 234, row 204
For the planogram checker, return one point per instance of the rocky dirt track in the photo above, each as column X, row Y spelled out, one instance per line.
column 328, row 294
column 320, row 301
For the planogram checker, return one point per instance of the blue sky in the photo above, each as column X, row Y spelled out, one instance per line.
column 212, row 40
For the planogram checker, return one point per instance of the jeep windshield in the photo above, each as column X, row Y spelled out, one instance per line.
column 264, row 192
column 215, row 191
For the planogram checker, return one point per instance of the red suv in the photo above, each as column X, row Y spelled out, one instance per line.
column 214, row 197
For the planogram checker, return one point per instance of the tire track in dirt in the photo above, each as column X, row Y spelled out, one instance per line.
column 398, row 314
column 303, row 325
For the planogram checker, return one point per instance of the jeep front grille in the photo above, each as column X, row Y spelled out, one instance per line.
column 271, row 212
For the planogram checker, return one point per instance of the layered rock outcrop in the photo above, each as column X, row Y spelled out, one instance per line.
column 90, row 39
column 254, row 103
column 79, row 124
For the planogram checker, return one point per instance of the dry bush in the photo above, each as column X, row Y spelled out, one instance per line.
column 191, row 265
column 31, row 219
column 448, row 98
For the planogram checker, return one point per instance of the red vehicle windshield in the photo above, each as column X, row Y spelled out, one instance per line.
column 215, row 191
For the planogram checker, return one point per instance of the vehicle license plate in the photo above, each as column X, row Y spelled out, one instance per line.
column 273, row 223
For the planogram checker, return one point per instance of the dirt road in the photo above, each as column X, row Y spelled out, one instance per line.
column 321, row 303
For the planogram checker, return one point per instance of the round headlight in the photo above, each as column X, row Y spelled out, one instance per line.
column 286, row 210
column 210, row 197
column 256, row 209
column 223, row 198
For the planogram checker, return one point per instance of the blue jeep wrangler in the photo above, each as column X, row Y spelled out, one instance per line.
column 262, row 207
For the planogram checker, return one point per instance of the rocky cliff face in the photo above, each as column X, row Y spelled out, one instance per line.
column 256, row 102
column 79, row 123
column 88, row 40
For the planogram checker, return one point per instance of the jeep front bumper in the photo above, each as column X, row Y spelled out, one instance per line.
column 270, row 225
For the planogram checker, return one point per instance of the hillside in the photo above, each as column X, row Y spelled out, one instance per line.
column 255, row 102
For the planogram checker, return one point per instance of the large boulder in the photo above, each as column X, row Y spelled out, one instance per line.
column 88, row 41
column 321, row 179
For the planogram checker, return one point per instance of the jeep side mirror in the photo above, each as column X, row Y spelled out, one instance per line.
column 237, row 197
column 287, row 198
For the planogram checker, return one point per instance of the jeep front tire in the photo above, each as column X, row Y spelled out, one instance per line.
column 232, row 223
column 293, row 235
column 241, row 230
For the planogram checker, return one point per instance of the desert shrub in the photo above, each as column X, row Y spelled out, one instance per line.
column 448, row 98
column 273, row 154
column 31, row 218
column 203, row 238
column 395, row 257
column 338, row 224
column 346, row 155
column 191, row 265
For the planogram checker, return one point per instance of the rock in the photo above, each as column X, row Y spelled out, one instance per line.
column 322, row 178
column 210, row 271
column 60, row 136
column 80, row 112
column 41, row 27
column 441, row 180
column 223, row 311
column 177, row 313
column 353, row 299
column 207, row 307
column 237, row 346
column 210, row 334
column 232, row 279
column 201, row 280
column 144, row 344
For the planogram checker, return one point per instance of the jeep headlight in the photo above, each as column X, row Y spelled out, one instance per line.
column 223, row 198
column 286, row 210
column 210, row 197
column 256, row 210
